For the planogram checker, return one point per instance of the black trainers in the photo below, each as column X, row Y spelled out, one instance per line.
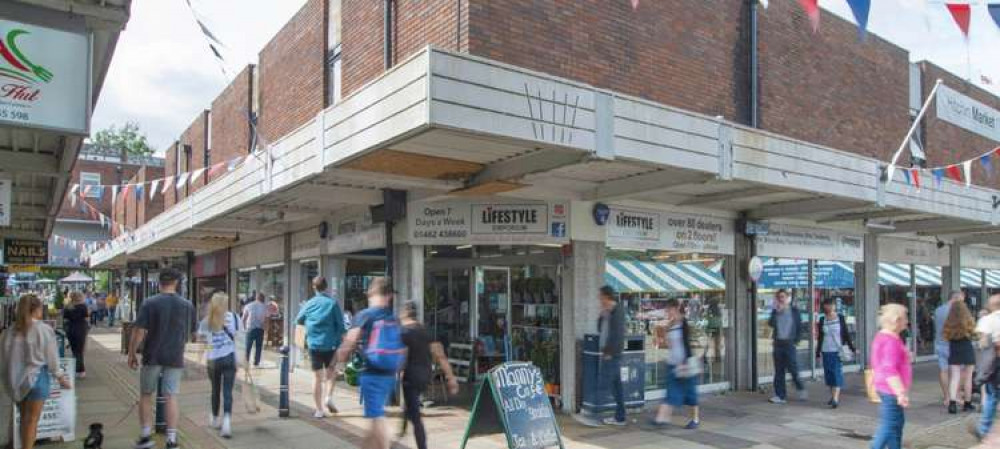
column 144, row 443
column 952, row 407
column 172, row 445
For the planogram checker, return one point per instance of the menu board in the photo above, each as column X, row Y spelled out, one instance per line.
column 512, row 400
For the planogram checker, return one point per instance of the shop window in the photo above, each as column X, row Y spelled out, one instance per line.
column 91, row 179
column 927, row 280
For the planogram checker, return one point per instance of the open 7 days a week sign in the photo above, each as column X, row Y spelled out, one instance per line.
column 512, row 400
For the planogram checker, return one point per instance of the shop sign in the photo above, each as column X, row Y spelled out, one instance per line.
column 477, row 222
column 809, row 243
column 28, row 252
column 366, row 239
column 964, row 112
column 46, row 78
column 17, row 268
column 5, row 204
column 648, row 229
column 975, row 257
column 908, row 251
column 211, row 265
column 58, row 418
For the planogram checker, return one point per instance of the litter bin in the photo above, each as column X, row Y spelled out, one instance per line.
column 597, row 399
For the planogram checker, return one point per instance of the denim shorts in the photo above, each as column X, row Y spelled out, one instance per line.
column 681, row 390
column 42, row 387
column 375, row 391
column 149, row 376
column 833, row 369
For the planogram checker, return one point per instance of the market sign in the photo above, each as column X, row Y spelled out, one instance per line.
column 648, row 229
column 964, row 112
column 44, row 78
column 796, row 242
column 479, row 222
column 5, row 204
column 26, row 252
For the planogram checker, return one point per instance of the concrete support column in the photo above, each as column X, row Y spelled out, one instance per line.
column 742, row 315
column 286, row 293
column 952, row 277
column 408, row 270
column 582, row 277
column 335, row 270
column 868, row 300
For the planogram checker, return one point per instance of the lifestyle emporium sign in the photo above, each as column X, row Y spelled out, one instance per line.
column 650, row 229
column 487, row 222
column 44, row 78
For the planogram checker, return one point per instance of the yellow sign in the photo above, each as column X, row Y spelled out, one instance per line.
column 24, row 268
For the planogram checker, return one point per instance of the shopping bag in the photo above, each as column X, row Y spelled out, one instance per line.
column 870, row 387
column 300, row 336
column 251, row 396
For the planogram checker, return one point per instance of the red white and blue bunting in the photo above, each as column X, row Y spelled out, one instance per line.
column 960, row 172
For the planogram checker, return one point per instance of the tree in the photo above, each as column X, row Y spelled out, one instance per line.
column 129, row 138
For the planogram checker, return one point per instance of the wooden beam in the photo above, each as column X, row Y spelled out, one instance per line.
column 392, row 181
column 644, row 184
column 416, row 165
column 518, row 167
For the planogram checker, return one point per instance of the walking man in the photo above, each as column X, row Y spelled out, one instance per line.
column 988, row 329
column 255, row 315
column 941, row 346
column 324, row 324
column 378, row 378
column 166, row 322
column 611, row 328
column 786, row 322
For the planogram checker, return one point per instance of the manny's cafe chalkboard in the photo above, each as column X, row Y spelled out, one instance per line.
column 512, row 400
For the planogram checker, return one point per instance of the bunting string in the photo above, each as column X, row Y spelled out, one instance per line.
column 959, row 172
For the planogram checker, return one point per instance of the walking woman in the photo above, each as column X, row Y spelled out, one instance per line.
column 29, row 352
column 959, row 330
column 833, row 335
column 421, row 351
column 75, row 324
column 218, row 329
column 682, row 376
column 890, row 362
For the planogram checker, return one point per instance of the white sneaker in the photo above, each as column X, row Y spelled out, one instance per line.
column 227, row 430
column 803, row 395
column 214, row 422
column 613, row 422
column 777, row 400
column 331, row 406
column 319, row 414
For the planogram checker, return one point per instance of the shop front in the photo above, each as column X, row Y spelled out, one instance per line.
column 812, row 265
column 259, row 269
column 910, row 273
column 492, row 282
column 356, row 256
column 653, row 256
column 211, row 274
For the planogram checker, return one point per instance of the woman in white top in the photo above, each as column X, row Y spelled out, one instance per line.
column 218, row 330
column 835, row 346
column 29, row 351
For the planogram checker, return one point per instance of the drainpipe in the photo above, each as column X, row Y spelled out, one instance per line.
column 754, row 69
column 387, row 39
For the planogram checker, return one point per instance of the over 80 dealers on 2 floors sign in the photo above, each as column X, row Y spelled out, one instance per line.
column 44, row 77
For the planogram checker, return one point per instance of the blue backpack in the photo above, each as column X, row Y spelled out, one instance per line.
column 385, row 350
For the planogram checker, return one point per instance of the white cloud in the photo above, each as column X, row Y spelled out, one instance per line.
column 163, row 72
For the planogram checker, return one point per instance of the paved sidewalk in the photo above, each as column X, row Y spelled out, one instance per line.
column 730, row 421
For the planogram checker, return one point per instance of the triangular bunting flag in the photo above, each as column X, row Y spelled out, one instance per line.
column 916, row 177
column 102, row 220
column 215, row 169
column 196, row 174
column 906, row 176
column 962, row 13
column 86, row 191
column 181, row 179
column 232, row 164
column 954, row 172
column 764, row 3
column 995, row 12
column 72, row 201
column 138, row 191
column 166, row 184
column 938, row 176
column 967, row 169
column 812, row 11
column 152, row 189
column 861, row 8
column 74, row 189
column 125, row 189
column 114, row 194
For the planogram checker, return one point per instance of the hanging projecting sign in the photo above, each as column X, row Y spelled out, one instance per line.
column 26, row 252
column 808, row 243
column 44, row 78
column 649, row 229
column 485, row 222
column 962, row 111
column 5, row 205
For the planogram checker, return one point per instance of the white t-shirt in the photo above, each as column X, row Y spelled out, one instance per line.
column 675, row 338
column 831, row 334
column 220, row 344
column 990, row 325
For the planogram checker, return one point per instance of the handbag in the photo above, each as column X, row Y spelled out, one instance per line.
column 845, row 353
column 690, row 368
column 873, row 396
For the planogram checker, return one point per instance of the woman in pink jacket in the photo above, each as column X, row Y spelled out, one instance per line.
column 893, row 375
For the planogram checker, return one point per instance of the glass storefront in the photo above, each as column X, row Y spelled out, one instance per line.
column 927, row 298
column 308, row 269
column 646, row 280
column 357, row 275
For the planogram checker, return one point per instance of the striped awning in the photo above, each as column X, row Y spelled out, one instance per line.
column 898, row 274
column 635, row 276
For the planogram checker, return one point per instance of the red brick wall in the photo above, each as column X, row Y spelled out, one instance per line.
column 829, row 88
column 945, row 143
column 149, row 208
column 170, row 169
column 292, row 73
column 196, row 135
column 230, row 125
column 109, row 176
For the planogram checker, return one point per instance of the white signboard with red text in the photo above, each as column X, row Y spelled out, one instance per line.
column 631, row 228
column 44, row 78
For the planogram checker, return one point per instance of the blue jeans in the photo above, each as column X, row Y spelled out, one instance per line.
column 889, row 434
column 989, row 410
column 222, row 374
column 611, row 377
column 786, row 359
column 255, row 336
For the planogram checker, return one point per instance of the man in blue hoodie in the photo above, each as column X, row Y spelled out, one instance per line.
column 324, row 324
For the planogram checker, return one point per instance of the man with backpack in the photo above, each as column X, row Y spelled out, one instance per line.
column 379, row 335
column 324, row 324
column 988, row 328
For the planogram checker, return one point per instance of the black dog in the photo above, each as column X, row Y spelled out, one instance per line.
column 96, row 438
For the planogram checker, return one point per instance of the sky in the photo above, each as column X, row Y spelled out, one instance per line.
column 163, row 72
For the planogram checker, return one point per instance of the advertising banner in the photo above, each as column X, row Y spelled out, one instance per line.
column 488, row 222
column 809, row 243
column 962, row 111
column 25, row 252
column 44, row 78
column 648, row 229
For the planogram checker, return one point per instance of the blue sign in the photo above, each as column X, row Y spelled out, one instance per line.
column 825, row 275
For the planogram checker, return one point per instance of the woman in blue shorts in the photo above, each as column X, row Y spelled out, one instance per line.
column 682, row 369
column 833, row 335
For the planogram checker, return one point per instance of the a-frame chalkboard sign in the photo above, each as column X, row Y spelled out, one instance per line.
column 512, row 400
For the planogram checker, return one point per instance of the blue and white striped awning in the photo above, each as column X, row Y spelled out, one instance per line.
column 635, row 276
column 898, row 274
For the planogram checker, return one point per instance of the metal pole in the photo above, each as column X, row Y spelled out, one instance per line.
column 283, row 389
column 161, row 407
column 913, row 129
column 754, row 67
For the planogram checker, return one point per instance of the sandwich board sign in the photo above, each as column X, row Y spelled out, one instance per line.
column 58, row 420
column 512, row 400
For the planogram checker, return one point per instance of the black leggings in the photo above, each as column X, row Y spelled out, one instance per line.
column 411, row 410
column 77, row 344
column 222, row 374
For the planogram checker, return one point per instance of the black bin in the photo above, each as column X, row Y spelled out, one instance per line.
column 599, row 401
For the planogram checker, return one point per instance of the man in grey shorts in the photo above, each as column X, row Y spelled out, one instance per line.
column 164, row 324
column 941, row 346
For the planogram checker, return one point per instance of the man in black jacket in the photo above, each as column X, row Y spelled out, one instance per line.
column 786, row 322
column 611, row 327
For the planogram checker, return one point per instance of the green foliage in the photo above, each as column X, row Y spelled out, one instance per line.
column 128, row 137
column 102, row 281
column 60, row 301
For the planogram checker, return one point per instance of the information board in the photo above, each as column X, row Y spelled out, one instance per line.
column 58, row 420
column 512, row 400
